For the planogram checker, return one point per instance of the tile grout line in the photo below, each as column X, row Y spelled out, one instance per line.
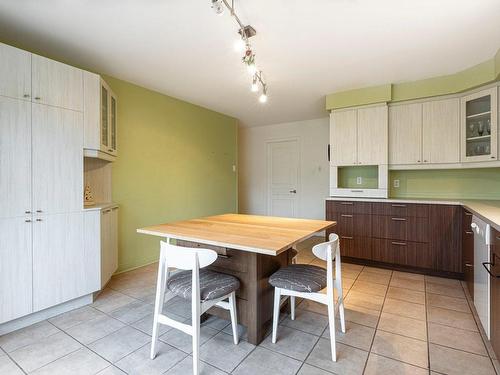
column 427, row 326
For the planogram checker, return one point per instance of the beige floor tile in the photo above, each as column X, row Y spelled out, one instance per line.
column 452, row 361
column 347, row 283
column 378, row 365
column 401, row 348
column 451, row 318
column 380, row 271
column 369, row 287
column 451, row 303
column 350, row 274
column 407, row 295
column 442, row 281
column 407, row 276
column 457, row 338
column 374, row 277
column 402, row 325
column 408, row 284
column 445, row 290
column 361, row 315
column 352, row 267
column 356, row 335
column 365, row 300
column 110, row 300
column 318, row 262
column 350, row 361
column 403, row 308
column 313, row 306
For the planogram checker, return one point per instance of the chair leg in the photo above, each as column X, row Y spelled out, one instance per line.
column 234, row 317
column 331, row 321
column 196, row 342
column 160, row 297
column 292, row 307
column 276, row 312
column 342, row 315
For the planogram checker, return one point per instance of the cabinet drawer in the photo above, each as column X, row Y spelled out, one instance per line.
column 229, row 259
column 403, row 253
column 356, row 247
column 401, row 228
column 400, row 209
column 466, row 220
column 348, row 207
column 352, row 224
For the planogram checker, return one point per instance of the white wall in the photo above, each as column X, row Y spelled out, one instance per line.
column 314, row 176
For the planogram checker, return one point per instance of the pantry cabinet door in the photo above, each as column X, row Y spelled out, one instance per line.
column 15, row 72
column 59, row 261
column 15, row 268
column 405, row 134
column 57, row 159
column 441, row 131
column 15, row 157
column 57, row 84
column 343, row 137
column 372, row 135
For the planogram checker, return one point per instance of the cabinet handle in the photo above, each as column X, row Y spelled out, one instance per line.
column 346, row 237
column 110, row 150
column 468, row 232
column 418, row 161
column 469, row 265
column 347, row 203
column 345, row 215
column 38, row 219
column 106, row 211
column 487, row 269
column 26, row 95
column 399, row 243
column 114, row 208
column 356, row 191
column 223, row 256
column 498, row 238
column 425, row 161
column 467, row 214
column 27, row 221
column 399, row 205
column 39, row 211
column 398, row 219
column 27, row 212
column 37, row 98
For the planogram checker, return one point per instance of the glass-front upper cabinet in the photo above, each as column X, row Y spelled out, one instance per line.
column 112, row 124
column 479, row 112
column 104, row 116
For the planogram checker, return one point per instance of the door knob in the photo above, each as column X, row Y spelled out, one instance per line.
column 294, row 191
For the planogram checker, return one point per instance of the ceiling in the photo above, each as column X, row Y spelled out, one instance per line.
column 306, row 49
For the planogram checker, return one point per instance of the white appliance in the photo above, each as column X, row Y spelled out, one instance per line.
column 482, row 241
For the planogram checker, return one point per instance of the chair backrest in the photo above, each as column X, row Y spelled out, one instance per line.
column 184, row 258
column 321, row 250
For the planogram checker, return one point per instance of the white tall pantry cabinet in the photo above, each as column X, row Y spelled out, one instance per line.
column 45, row 260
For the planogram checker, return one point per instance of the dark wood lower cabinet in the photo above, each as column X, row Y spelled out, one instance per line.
column 468, row 251
column 425, row 238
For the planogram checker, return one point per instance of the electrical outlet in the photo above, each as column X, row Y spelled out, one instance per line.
column 359, row 180
column 234, row 168
column 396, row 183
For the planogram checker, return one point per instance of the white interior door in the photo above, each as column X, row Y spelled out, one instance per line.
column 57, row 159
column 283, row 178
column 15, row 157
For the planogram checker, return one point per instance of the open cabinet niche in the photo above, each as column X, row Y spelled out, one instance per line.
column 97, row 175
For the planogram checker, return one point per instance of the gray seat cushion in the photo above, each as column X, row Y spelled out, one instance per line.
column 212, row 284
column 299, row 278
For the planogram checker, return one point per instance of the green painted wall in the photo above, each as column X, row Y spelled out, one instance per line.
column 348, row 175
column 175, row 162
column 481, row 183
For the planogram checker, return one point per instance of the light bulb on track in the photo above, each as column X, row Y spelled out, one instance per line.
column 255, row 86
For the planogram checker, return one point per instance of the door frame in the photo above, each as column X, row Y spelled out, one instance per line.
column 269, row 142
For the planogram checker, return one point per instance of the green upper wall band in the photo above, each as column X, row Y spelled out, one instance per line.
column 486, row 72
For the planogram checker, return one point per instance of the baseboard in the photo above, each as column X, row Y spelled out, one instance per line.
column 38, row 316
column 136, row 267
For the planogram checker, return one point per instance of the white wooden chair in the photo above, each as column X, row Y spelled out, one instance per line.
column 309, row 282
column 205, row 288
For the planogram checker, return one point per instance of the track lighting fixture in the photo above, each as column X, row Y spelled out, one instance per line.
column 243, row 44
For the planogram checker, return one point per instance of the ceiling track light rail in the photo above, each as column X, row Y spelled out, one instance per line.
column 243, row 44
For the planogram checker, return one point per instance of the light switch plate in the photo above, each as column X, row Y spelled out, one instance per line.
column 359, row 180
column 396, row 183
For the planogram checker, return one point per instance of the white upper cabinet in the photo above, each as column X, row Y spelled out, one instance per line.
column 15, row 72
column 372, row 135
column 405, row 134
column 343, row 137
column 100, row 115
column 479, row 126
column 57, row 159
column 15, row 157
column 56, row 84
column 359, row 136
column 441, row 131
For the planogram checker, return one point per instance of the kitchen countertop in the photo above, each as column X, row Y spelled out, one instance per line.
column 100, row 206
column 487, row 210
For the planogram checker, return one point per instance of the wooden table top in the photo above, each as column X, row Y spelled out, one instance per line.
column 259, row 234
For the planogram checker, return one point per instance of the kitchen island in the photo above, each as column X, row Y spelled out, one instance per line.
column 249, row 247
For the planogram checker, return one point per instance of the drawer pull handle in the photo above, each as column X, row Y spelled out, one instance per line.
column 399, row 205
column 468, row 214
column 399, row 243
column 345, row 215
column 346, row 237
column 487, row 269
column 106, row 211
column 346, row 203
column 468, row 232
column 27, row 221
column 398, row 219
column 469, row 265
column 498, row 238
column 223, row 256
column 357, row 191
